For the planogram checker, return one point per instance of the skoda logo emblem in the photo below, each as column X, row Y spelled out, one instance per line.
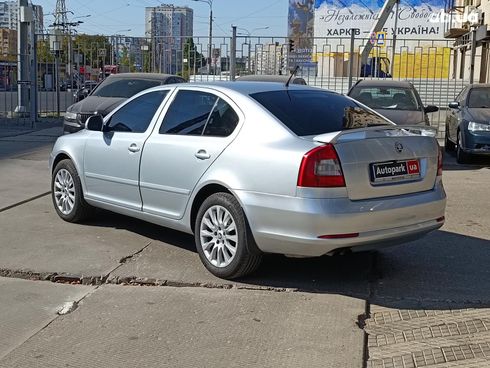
column 399, row 147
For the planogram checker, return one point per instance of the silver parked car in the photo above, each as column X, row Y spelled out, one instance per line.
column 253, row 168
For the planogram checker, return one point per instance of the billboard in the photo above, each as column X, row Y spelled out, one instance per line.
column 416, row 19
column 301, row 19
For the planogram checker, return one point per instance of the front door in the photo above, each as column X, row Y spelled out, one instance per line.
column 112, row 158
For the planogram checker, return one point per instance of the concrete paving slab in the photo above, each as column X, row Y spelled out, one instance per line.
column 199, row 327
column 33, row 237
column 23, row 178
column 26, row 307
column 468, row 203
column 173, row 260
column 13, row 143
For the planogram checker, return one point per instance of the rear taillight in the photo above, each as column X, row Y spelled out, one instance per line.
column 321, row 168
column 439, row 163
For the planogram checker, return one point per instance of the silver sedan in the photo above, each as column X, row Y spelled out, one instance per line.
column 252, row 168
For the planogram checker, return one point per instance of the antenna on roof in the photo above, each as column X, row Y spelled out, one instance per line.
column 293, row 73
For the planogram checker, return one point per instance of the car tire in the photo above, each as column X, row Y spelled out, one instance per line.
column 67, row 194
column 449, row 146
column 223, row 238
column 461, row 156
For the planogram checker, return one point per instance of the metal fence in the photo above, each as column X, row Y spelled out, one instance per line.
column 332, row 63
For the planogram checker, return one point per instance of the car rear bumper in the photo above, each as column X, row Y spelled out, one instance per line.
column 292, row 225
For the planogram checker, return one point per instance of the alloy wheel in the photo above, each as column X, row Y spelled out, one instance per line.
column 219, row 238
column 64, row 191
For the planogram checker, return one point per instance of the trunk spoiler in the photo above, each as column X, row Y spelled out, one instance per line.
column 376, row 132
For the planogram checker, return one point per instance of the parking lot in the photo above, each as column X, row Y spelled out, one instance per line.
column 140, row 296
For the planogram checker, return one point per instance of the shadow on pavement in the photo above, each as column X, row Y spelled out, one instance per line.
column 443, row 270
column 109, row 219
column 477, row 162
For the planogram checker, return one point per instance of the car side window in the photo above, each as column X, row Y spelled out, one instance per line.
column 188, row 113
column 461, row 98
column 222, row 121
column 136, row 115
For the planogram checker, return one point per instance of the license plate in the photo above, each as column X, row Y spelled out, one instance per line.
column 395, row 171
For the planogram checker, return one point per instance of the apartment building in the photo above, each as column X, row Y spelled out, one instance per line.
column 168, row 27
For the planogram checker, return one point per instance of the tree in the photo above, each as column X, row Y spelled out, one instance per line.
column 88, row 46
column 127, row 61
column 192, row 59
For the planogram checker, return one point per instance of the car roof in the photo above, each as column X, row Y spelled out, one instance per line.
column 271, row 78
column 252, row 87
column 482, row 85
column 383, row 83
column 147, row 76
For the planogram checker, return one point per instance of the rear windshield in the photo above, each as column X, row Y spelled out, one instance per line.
column 389, row 98
column 124, row 87
column 312, row 112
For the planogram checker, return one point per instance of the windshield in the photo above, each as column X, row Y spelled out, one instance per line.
column 124, row 87
column 479, row 98
column 312, row 112
column 390, row 98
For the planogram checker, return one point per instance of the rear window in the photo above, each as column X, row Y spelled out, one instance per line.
column 317, row 112
column 124, row 87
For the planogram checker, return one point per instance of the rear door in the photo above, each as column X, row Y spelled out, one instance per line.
column 198, row 125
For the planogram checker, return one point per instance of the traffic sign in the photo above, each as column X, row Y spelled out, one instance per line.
column 101, row 52
column 24, row 82
column 381, row 39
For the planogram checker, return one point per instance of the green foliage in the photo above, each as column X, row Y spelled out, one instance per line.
column 193, row 60
column 88, row 46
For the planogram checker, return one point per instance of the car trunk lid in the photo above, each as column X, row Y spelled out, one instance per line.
column 385, row 161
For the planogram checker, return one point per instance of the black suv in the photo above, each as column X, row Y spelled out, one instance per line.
column 108, row 94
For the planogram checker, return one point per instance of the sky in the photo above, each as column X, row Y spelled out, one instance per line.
column 128, row 16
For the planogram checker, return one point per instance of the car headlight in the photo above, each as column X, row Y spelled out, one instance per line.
column 71, row 116
column 478, row 127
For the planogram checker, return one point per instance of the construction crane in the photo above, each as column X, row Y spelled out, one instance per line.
column 372, row 66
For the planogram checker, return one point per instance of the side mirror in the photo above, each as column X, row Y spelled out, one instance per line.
column 431, row 108
column 95, row 123
column 454, row 105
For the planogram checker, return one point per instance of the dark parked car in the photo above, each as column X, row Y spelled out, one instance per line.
column 85, row 90
column 468, row 123
column 110, row 93
column 272, row 78
column 399, row 101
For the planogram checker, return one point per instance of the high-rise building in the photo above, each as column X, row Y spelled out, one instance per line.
column 168, row 27
column 8, row 44
column 9, row 11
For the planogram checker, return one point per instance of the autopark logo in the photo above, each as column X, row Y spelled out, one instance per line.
column 473, row 17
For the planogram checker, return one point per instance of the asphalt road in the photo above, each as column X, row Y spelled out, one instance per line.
column 357, row 310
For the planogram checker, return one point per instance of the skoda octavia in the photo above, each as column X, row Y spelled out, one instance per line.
column 253, row 168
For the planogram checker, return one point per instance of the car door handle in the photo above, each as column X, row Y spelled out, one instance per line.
column 202, row 155
column 133, row 148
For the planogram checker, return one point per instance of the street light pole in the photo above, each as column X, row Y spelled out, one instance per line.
column 249, row 34
column 210, row 49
